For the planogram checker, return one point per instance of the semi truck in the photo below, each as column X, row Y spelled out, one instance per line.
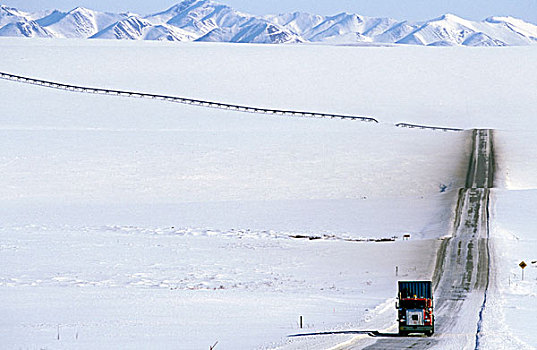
column 415, row 307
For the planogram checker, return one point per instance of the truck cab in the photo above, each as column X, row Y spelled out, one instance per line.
column 415, row 308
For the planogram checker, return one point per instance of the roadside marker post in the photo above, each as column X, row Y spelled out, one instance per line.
column 522, row 266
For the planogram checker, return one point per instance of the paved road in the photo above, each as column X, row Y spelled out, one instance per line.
column 462, row 268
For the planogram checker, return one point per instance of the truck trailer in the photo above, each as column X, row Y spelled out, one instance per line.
column 415, row 307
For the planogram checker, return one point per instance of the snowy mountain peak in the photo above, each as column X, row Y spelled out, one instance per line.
column 80, row 22
column 179, row 10
column 129, row 14
column 80, row 9
column 514, row 30
column 183, row 6
column 449, row 17
column 503, row 19
column 7, row 9
column 297, row 22
column 517, row 22
column 25, row 28
column 9, row 15
column 83, row 12
column 10, row 11
column 130, row 28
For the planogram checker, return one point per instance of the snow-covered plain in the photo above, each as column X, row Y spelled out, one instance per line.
column 140, row 223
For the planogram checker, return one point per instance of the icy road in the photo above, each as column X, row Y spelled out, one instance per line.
column 462, row 270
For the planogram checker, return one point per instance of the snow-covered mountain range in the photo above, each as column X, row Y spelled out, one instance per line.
column 206, row 20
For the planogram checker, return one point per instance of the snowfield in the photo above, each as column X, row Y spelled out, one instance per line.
column 134, row 223
column 136, row 287
column 514, row 301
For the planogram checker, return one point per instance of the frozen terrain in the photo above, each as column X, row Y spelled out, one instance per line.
column 139, row 223
column 137, row 287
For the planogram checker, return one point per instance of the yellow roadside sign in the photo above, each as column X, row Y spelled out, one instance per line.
column 522, row 265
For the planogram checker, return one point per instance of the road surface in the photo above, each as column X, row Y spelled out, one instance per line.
column 462, row 268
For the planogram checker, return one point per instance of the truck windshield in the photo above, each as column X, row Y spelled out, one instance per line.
column 413, row 304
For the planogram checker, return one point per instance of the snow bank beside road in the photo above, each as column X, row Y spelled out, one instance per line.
column 516, row 159
column 510, row 313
